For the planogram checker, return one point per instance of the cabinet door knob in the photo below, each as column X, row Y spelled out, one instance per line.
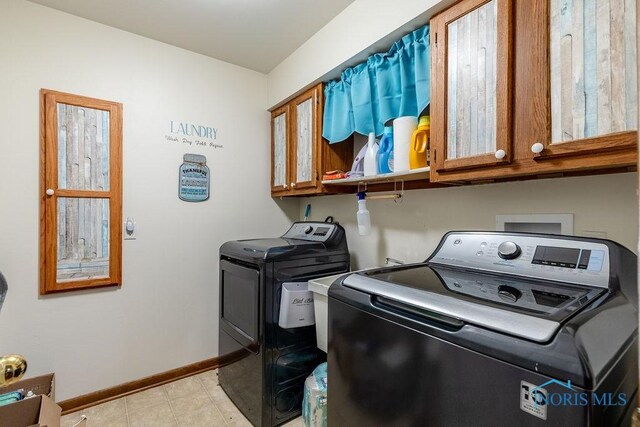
column 537, row 148
column 500, row 154
column 285, row 186
column 50, row 192
column 293, row 185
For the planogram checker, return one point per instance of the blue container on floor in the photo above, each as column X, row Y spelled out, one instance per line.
column 385, row 153
column 314, row 403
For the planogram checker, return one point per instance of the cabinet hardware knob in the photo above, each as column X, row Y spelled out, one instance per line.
column 293, row 185
column 285, row 186
column 537, row 148
column 500, row 154
column 50, row 192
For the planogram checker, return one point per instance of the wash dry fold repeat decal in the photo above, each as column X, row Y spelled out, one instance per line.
column 193, row 134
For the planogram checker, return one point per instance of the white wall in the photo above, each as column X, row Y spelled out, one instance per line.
column 363, row 28
column 165, row 315
column 411, row 230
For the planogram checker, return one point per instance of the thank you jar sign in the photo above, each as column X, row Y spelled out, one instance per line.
column 194, row 178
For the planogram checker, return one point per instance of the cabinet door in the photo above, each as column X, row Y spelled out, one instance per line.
column 593, row 96
column 305, row 134
column 280, row 131
column 472, row 84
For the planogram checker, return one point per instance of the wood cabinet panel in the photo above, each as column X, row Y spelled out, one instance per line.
column 304, row 140
column 280, row 124
column 593, row 76
column 472, row 86
column 538, row 103
column 299, row 154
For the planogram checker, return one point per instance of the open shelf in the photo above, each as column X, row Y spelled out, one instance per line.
column 410, row 175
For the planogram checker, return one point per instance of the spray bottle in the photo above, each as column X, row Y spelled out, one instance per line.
column 364, row 219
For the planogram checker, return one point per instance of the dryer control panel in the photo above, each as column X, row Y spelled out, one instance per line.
column 569, row 260
column 311, row 231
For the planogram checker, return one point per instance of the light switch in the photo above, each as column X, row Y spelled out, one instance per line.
column 130, row 229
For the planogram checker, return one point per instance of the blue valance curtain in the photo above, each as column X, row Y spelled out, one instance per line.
column 386, row 86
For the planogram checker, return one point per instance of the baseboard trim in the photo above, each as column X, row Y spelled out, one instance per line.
column 102, row 396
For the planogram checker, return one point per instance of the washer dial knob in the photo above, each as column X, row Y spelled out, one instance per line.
column 308, row 229
column 509, row 250
column 509, row 293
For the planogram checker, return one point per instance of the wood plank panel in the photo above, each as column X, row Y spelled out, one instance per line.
column 618, row 71
column 577, row 69
column 452, row 79
column 590, row 83
column 482, row 82
column 566, row 70
column 491, row 80
column 631, row 52
column 471, row 100
column 593, row 56
column 603, row 66
column 473, row 88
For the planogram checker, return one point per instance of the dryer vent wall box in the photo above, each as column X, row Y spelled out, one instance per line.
column 536, row 223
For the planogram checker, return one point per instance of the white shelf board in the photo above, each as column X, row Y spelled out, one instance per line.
column 410, row 175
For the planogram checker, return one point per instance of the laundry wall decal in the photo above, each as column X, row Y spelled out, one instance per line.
column 194, row 134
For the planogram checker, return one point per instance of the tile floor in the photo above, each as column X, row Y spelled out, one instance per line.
column 193, row 401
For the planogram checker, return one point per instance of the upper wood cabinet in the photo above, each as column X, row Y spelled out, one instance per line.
column 568, row 81
column 280, row 119
column 471, row 69
column 592, row 77
column 300, row 156
column 306, row 135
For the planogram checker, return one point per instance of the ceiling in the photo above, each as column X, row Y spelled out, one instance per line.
column 256, row 34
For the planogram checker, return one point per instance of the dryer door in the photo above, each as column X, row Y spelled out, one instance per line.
column 240, row 303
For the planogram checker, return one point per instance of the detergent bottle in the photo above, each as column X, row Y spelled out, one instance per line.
column 385, row 152
column 370, row 167
column 419, row 152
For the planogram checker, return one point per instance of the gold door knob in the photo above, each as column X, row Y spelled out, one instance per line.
column 13, row 368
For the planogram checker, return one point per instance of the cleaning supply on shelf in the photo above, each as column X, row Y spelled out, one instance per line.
column 370, row 166
column 334, row 174
column 364, row 219
column 385, row 152
column 357, row 169
column 419, row 153
column 403, row 128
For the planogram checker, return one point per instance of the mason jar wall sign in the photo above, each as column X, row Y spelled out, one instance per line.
column 193, row 180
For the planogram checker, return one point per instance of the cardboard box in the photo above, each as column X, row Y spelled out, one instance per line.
column 37, row 411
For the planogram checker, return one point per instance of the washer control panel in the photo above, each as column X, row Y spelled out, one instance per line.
column 311, row 231
column 549, row 258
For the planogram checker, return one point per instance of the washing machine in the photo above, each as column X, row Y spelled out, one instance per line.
column 493, row 329
column 264, row 364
